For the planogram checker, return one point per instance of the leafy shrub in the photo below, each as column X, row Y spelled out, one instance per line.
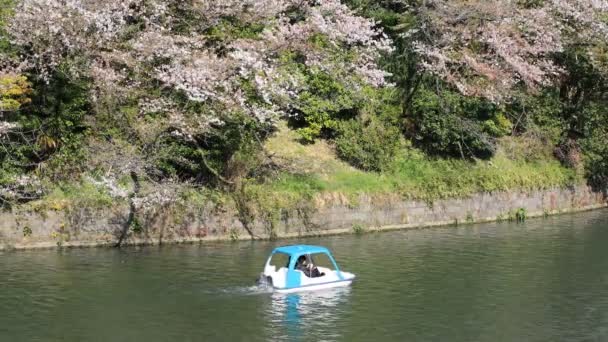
column 448, row 125
column 14, row 92
column 596, row 158
column 54, row 120
column 368, row 145
column 539, row 113
column 498, row 126
column 6, row 9
column 358, row 228
column 222, row 154
column 521, row 214
column 319, row 107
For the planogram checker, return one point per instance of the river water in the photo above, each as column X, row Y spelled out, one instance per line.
column 544, row 280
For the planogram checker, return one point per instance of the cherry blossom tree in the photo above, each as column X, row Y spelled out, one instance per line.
column 490, row 48
column 224, row 58
column 114, row 40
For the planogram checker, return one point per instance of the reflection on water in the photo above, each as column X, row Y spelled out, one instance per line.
column 307, row 315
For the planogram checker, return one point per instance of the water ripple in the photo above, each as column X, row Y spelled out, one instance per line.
column 545, row 280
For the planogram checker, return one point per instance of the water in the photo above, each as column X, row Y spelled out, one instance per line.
column 545, row 280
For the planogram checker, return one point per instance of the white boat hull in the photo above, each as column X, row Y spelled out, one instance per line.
column 315, row 287
column 289, row 278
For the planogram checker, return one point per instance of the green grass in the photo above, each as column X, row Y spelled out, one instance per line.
column 433, row 179
column 312, row 175
column 413, row 175
column 297, row 184
column 73, row 195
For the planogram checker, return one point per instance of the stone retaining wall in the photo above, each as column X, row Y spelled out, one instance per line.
column 332, row 215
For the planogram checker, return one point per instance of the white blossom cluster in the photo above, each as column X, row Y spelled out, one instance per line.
column 110, row 185
column 6, row 127
column 23, row 187
column 158, row 199
column 586, row 22
column 144, row 203
column 512, row 45
column 154, row 105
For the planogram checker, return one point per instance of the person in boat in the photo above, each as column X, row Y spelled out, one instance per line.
column 309, row 269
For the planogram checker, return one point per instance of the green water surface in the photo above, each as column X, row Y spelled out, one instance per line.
column 544, row 280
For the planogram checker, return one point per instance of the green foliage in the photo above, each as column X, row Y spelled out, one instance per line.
column 521, row 214
column 225, row 153
column 370, row 145
column 301, row 185
column 6, row 11
column 448, row 124
column 53, row 122
column 540, row 113
column 413, row 175
column 595, row 149
column 67, row 195
column 15, row 91
column 498, row 126
column 584, row 103
column 27, row 231
column 531, row 146
column 358, row 228
column 582, row 91
column 229, row 29
column 319, row 107
column 437, row 178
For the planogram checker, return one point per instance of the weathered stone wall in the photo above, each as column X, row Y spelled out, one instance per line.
column 331, row 215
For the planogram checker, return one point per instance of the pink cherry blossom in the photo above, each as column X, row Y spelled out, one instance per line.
column 94, row 32
column 489, row 48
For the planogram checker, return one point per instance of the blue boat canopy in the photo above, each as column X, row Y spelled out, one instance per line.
column 297, row 250
column 294, row 252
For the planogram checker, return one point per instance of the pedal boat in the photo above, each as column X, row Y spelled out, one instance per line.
column 289, row 279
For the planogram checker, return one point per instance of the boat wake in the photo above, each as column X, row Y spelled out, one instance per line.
column 248, row 290
column 262, row 286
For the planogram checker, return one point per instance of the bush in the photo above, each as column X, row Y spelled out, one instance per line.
column 223, row 154
column 498, row 126
column 521, row 214
column 319, row 108
column 53, row 121
column 538, row 112
column 596, row 158
column 358, row 228
column 6, row 11
column 450, row 125
column 368, row 145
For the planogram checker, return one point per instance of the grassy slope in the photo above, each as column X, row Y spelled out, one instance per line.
column 312, row 173
column 314, row 169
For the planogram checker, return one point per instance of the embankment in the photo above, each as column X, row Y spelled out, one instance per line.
column 330, row 214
